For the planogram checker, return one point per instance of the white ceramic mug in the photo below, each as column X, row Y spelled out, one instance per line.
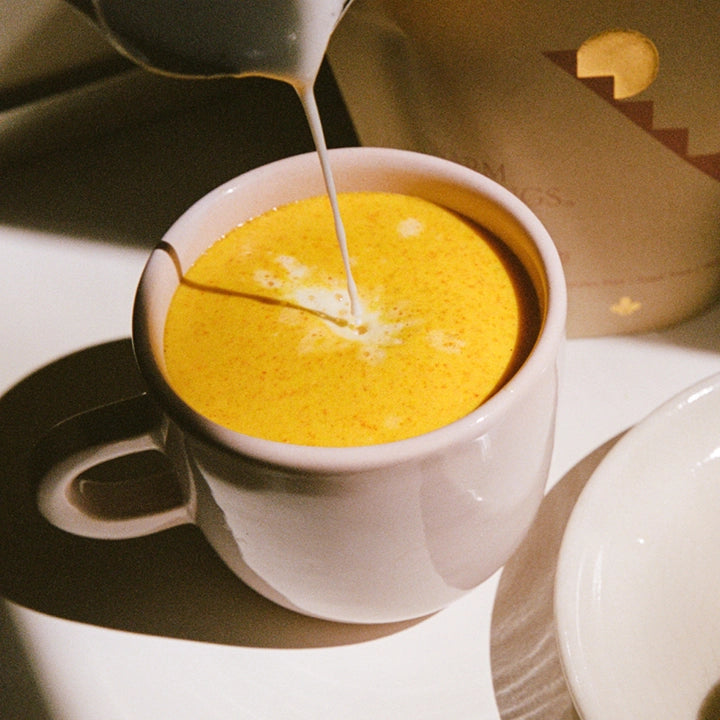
column 367, row 534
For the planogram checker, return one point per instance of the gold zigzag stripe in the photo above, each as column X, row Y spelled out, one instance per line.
column 640, row 112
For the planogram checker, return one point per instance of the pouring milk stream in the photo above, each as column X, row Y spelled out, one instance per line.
column 281, row 39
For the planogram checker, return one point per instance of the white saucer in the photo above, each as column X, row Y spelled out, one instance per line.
column 637, row 593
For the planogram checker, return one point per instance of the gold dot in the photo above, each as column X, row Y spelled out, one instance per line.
column 627, row 55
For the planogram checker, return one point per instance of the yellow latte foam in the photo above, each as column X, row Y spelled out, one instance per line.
column 259, row 335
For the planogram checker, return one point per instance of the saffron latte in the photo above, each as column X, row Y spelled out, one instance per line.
column 259, row 336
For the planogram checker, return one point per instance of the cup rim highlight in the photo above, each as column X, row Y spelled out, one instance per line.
column 417, row 170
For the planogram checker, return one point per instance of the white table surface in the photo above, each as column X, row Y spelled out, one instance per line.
column 159, row 629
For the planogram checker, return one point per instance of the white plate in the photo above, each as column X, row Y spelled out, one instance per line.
column 637, row 593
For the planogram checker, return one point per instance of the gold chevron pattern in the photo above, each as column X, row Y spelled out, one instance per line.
column 639, row 112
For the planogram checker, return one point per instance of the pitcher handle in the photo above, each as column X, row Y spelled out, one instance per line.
column 132, row 506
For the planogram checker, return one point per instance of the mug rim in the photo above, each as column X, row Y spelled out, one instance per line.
column 334, row 459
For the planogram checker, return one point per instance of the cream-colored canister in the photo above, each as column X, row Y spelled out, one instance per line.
column 604, row 118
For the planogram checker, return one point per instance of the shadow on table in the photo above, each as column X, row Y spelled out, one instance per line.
column 169, row 584
column 21, row 697
column 526, row 669
column 127, row 186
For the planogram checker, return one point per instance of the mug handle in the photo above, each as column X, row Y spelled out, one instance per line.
column 129, row 507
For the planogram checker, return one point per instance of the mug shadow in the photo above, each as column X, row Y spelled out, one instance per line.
column 526, row 670
column 710, row 709
column 170, row 584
